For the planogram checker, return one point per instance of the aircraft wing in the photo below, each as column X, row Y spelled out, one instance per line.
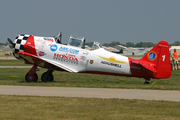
column 45, row 63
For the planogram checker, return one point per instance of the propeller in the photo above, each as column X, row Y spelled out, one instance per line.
column 10, row 43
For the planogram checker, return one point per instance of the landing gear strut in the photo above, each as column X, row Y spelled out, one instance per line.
column 47, row 76
column 31, row 76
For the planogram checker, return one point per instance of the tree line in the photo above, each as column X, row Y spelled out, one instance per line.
column 128, row 44
column 3, row 44
column 131, row 44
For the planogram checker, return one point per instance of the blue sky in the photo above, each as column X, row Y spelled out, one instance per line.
column 103, row 21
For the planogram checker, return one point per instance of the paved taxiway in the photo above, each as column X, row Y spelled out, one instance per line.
column 165, row 95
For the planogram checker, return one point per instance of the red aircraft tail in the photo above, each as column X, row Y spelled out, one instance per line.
column 159, row 57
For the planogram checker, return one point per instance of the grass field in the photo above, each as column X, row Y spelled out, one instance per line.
column 12, row 63
column 55, row 108
column 58, row 108
column 16, row 76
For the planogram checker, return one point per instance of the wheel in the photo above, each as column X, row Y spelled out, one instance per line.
column 31, row 78
column 47, row 77
column 146, row 82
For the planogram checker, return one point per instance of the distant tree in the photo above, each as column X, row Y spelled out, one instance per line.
column 105, row 44
column 176, row 43
column 129, row 44
column 139, row 44
column 148, row 44
column 4, row 44
column 113, row 43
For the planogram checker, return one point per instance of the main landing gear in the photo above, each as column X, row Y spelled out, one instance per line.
column 31, row 76
column 47, row 76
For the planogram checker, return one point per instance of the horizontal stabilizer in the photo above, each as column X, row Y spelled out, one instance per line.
column 146, row 65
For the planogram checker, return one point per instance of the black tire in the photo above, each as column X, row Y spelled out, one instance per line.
column 146, row 82
column 47, row 77
column 31, row 78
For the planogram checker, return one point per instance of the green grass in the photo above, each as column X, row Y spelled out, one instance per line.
column 56, row 108
column 16, row 76
column 12, row 63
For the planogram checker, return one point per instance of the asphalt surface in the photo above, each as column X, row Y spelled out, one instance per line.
column 106, row 93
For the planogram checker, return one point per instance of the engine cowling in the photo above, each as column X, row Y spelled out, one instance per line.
column 24, row 43
column 18, row 45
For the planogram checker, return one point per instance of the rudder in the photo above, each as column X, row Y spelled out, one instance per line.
column 160, row 57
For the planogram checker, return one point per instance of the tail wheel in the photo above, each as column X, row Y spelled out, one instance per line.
column 146, row 80
column 47, row 77
column 31, row 78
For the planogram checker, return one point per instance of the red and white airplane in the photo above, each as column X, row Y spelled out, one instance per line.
column 50, row 53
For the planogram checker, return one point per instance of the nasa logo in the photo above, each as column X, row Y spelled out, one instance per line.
column 152, row 55
column 53, row 48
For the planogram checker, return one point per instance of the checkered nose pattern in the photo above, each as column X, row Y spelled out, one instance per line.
column 18, row 45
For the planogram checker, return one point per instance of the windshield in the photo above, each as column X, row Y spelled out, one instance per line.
column 96, row 45
column 58, row 37
column 75, row 42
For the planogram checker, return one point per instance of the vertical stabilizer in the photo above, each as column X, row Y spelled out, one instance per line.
column 160, row 57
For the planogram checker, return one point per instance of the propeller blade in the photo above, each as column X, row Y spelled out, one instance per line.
column 10, row 43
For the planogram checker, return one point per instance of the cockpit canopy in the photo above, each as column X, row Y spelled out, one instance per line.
column 76, row 41
column 96, row 45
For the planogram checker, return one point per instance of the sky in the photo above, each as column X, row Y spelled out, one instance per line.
column 103, row 21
